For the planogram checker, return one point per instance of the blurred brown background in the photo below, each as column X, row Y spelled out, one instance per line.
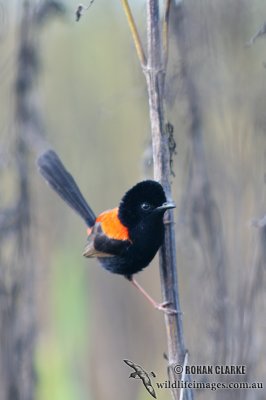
column 78, row 87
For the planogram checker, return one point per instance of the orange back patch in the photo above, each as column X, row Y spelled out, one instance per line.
column 111, row 225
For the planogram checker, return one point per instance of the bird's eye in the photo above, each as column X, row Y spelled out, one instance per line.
column 145, row 206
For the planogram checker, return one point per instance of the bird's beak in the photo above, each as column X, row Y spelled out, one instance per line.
column 165, row 206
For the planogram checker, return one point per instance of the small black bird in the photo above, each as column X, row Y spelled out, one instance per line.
column 124, row 239
column 143, row 375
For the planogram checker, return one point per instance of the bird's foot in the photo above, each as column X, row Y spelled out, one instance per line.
column 165, row 308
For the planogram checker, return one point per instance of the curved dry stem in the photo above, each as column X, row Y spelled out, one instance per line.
column 134, row 32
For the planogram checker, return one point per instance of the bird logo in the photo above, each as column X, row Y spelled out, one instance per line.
column 140, row 373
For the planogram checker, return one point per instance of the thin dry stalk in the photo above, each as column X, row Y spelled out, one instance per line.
column 154, row 73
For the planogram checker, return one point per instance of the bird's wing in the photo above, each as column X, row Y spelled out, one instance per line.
column 100, row 245
column 132, row 365
column 90, row 251
column 136, row 367
column 150, row 390
column 146, row 380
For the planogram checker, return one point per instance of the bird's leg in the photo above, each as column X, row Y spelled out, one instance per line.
column 159, row 306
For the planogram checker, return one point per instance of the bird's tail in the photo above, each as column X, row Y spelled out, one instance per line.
column 54, row 172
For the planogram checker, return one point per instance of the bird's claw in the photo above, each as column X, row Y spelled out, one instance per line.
column 165, row 308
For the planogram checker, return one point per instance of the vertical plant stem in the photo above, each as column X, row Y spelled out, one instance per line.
column 154, row 70
column 154, row 73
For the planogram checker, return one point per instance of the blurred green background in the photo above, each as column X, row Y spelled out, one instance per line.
column 91, row 97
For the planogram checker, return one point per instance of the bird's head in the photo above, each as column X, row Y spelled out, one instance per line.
column 144, row 200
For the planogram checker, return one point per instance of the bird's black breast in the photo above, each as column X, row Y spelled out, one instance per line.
column 136, row 254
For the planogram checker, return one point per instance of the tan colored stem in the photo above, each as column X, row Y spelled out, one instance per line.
column 134, row 32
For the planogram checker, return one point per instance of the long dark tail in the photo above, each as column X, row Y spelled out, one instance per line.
column 54, row 172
